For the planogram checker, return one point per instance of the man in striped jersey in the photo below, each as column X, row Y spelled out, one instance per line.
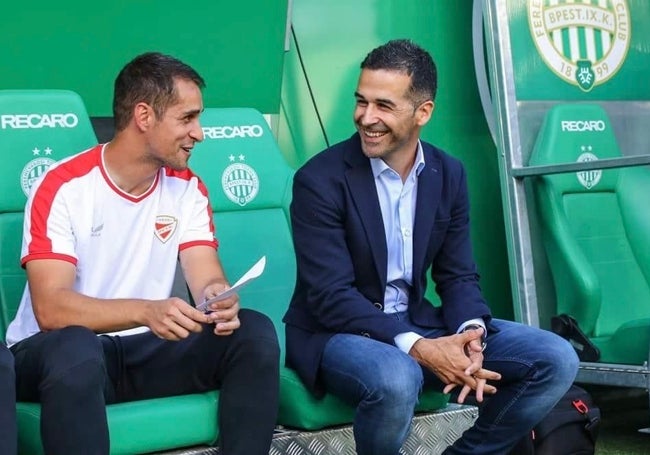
column 102, row 233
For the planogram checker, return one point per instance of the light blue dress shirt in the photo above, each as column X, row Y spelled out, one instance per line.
column 397, row 200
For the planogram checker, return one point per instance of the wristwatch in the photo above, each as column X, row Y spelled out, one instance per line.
column 483, row 337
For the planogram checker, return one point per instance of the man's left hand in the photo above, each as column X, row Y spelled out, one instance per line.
column 474, row 350
column 223, row 313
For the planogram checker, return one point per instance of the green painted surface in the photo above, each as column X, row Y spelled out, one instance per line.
column 238, row 47
column 542, row 36
column 565, row 51
column 333, row 39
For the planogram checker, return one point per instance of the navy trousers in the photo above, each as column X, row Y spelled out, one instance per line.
column 74, row 373
column 8, row 432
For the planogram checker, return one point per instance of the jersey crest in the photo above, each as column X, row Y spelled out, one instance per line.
column 165, row 227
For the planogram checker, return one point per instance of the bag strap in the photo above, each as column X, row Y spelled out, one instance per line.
column 568, row 328
column 592, row 417
column 573, row 407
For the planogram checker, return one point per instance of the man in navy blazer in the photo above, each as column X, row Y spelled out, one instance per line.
column 370, row 216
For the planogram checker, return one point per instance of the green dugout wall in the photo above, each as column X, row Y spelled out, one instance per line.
column 241, row 50
column 540, row 53
column 80, row 45
column 334, row 36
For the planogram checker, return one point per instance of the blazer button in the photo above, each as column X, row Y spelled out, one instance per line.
column 365, row 334
column 378, row 305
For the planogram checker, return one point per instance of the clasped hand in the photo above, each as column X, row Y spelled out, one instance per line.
column 458, row 361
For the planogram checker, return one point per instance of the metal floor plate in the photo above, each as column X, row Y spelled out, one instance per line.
column 430, row 434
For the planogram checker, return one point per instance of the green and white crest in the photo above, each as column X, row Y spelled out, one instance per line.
column 583, row 42
column 240, row 182
column 590, row 178
column 32, row 171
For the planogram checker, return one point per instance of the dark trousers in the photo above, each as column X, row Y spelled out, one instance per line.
column 8, row 432
column 74, row 373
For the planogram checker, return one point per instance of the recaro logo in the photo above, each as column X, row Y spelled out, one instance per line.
column 583, row 125
column 231, row 132
column 18, row 121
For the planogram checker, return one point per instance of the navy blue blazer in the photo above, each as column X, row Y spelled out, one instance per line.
column 341, row 254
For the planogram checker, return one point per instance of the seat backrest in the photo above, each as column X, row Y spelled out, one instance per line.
column 588, row 220
column 37, row 128
column 249, row 183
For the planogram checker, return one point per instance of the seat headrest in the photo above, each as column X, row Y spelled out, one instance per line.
column 574, row 133
column 37, row 128
column 239, row 161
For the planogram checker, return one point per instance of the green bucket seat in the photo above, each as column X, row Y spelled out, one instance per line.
column 595, row 226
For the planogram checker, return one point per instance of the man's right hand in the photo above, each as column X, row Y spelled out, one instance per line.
column 173, row 318
column 447, row 359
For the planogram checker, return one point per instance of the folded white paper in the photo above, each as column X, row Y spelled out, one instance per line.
column 252, row 273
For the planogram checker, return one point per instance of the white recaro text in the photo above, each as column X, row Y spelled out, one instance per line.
column 230, row 132
column 583, row 125
column 68, row 120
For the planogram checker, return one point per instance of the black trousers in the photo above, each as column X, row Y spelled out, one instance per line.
column 74, row 373
column 8, row 432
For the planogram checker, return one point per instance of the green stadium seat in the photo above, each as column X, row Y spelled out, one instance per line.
column 595, row 227
column 38, row 127
column 249, row 183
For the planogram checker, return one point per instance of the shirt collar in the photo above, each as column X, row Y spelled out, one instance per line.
column 378, row 165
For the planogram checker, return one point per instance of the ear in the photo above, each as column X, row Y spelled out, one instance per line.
column 423, row 112
column 143, row 116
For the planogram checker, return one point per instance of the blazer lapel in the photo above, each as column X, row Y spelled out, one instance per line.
column 429, row 188
column 363, row 192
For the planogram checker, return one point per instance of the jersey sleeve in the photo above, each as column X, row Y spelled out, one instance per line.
column 47, row 230
column 200, row 229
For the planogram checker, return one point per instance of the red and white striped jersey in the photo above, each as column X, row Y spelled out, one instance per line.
column 122, row 246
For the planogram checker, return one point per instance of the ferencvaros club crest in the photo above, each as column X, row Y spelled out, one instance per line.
column 589, row 178
column 239, row 181
column 584, row 43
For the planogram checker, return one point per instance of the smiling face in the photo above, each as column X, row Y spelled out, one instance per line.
column 173, row 135
column 385, row 115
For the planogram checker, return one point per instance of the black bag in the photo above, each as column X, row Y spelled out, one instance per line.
column 568, row 328
column 571, row 428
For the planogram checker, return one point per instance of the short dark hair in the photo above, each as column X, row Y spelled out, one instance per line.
column 149, row 78
column 405, row 56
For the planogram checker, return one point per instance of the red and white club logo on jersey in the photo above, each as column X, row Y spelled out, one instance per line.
column 165, row 227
